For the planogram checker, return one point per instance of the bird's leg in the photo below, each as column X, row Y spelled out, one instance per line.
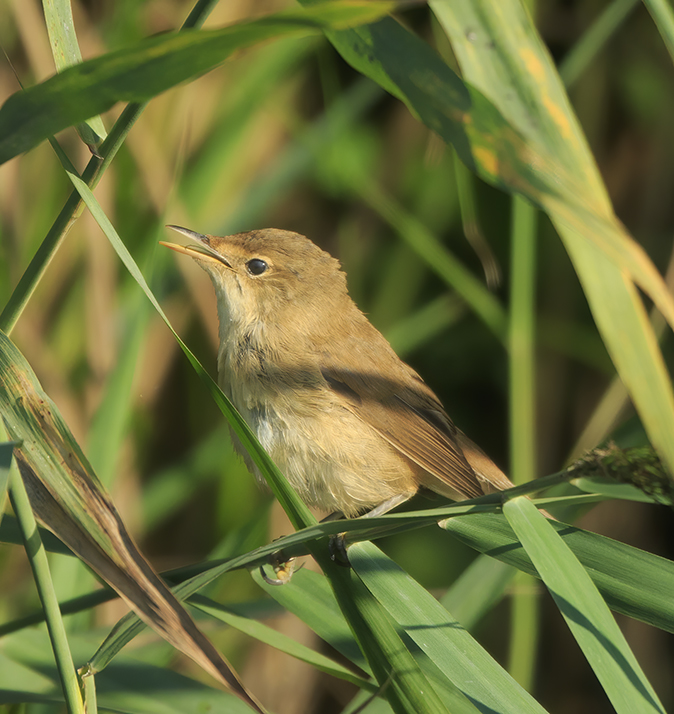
column 337, row 544
column 283, row 569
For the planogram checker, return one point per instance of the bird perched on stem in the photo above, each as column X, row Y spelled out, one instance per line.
column 353, row 428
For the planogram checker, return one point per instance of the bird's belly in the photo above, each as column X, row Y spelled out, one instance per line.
column 332, row 458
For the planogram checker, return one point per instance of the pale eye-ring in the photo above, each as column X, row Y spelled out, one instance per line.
column 256, row 266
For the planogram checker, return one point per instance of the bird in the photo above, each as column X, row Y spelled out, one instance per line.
column 355, row 430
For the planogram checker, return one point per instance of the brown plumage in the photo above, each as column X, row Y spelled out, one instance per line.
column 351, row 425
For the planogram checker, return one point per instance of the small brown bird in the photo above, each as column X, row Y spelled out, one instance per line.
column 352, row 427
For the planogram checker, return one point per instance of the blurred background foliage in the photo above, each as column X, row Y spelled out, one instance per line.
column 287, row 135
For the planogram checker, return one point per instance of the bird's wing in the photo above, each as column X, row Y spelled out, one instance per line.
column 410, row 417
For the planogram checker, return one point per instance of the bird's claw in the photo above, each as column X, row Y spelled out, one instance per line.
column 337, row 549
column 283, row 569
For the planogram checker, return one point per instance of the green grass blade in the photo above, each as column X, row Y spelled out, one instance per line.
column 6, row 455
column 524, row 628
column 155, row 65
column 519, row 77
column 69, row 499
column 458, row 656
column 580, row 56
column 584, row 610
column 632, row 581
column 477, row 590
column 630, row 340
column 521, row 342
column 37, row 557
column 283, row 643
column 663, row 16
column 407, row 688
column 622, row 491
column 63, row 40
column 512, row 123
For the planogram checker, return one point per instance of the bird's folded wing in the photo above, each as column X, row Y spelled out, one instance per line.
column 413, row 421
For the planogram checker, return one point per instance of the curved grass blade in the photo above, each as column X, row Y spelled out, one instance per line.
column 477, row 590
column 63, row 40
column 632, row 581
column 584, row 610
column 502, row 56
column 283, row 643
column 68, row 498
column 153, row 66
column 511, row 123
column 404, row 684
column 622, row 491
column 458, row 656
column 663, row 16
column 6, row 455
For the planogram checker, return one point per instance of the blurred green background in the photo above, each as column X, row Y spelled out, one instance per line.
column 286, row 135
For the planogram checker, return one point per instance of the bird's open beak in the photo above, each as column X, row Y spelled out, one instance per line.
column 200, row 251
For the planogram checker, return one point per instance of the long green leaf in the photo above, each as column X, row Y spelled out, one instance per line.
column 68, row 498
column 584, row 610
column 458, row 656
column 155, row 65
column 278, row 640
column 517, row 74
column 6, row 455
column 511, row 123
column 310, row 598
column 63, row 40
column 632, row 581
column 407, row 688
column 663, row 16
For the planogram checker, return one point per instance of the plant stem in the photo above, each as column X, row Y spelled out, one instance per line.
column 74, row 206
column 37, row 557
column 524, row 615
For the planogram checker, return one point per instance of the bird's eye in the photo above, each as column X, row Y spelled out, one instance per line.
column 256, row 266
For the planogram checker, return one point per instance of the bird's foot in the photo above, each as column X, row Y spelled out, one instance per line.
column 337, row 549
column 283, row 569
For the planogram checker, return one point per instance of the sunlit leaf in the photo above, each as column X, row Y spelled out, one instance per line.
column 68, row 498
column 584, row 610
column 155, row 65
